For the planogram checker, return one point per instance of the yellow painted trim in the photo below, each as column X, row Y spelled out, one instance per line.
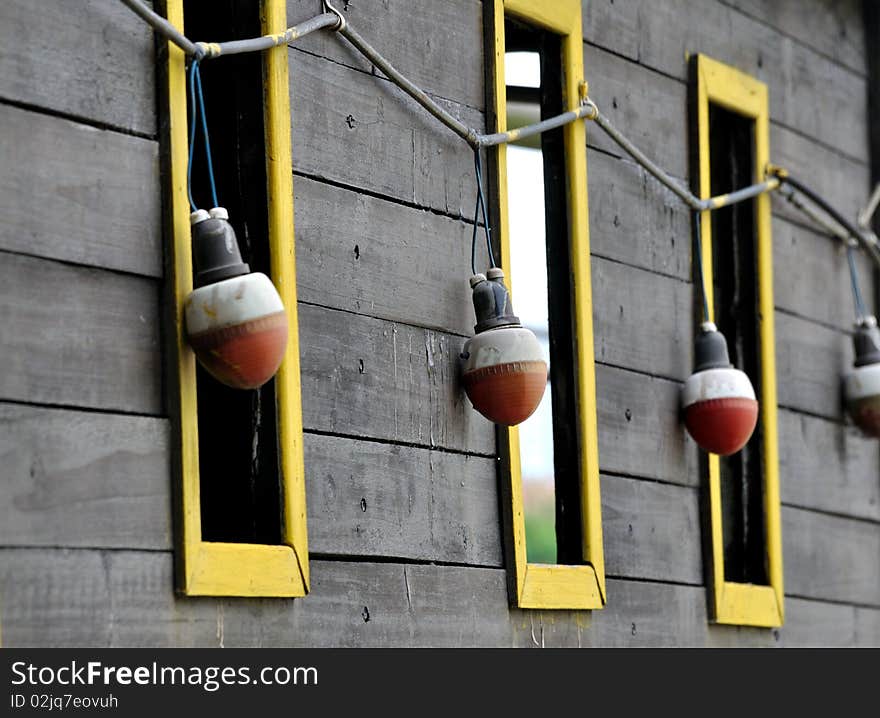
column 735, row 603
column 226, row 569
column 537, row 585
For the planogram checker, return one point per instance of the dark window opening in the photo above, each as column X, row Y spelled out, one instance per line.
column 543, row 296
column 735, row 289
column 238, row 441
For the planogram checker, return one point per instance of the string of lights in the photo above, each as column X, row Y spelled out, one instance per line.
column 331, row 18
column 733, row 422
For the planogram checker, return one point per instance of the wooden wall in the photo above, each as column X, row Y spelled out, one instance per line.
column 404, row 520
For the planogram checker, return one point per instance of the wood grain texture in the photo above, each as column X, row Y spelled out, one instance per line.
column 642, row 321
column 634, row 219
column 799, row 78
column 96, row 63
column 651, row 530
column 436, row 44
column 75, row 478
column 831, row 558
column 370, row 256
column 640, row 429
column 366, row 133
column 79, row 336
column 810, row 361
column 79, row 194
column 368, row 499
column 90, row 598
column 829, row 466
column 831, row 27
column 370, row 378
column 811, row 275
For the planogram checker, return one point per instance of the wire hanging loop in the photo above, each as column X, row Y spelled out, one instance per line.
column 479, row 210
column 197, row 108
column 329, row 8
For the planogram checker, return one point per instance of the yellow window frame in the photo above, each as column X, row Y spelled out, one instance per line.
column 239, row 569
column 540, row 585
column 730, row 602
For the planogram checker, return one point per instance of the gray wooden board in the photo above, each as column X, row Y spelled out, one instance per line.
column 634, row 219
column 371, row 378
column 79, row 336
column 640, row 429
column 815, row 624
column 72, row 478
column 798, row 78
column 95, row 62
column 830, row 557
column 376, row 257
column 811, row 275
column 437, row 45
column 364, row 132
column 642, row 321
column 651, row 530
column 810, row 361
column 371, row 256
column 84, row 195
column 831, row 27
column 90, row 598
column 829, row 466
column 373, row 499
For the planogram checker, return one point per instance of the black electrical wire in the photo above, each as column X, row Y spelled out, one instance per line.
column 697, row 261
column 480, row 209
column 855, row 235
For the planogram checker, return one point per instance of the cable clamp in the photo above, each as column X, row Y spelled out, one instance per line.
column 207, row 50
column 776, row 171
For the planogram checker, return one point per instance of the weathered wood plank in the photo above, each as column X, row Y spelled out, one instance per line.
column 368, row 499
column 831, row 558
column 635, row 220
column 96, row 62
column 645, row 614
column 642, row 321
column 831, row 27
column 90, row 598
column 649, row 108
column 828, row 466
column 844, row 183
column 83, row 479
column 810, row 361
column 811, row 275
column 640, row 429
column 651, row 530
column 79, row 336
column 402, row 264
column 437, row 45
column 364, row 132
column 370, row 378
column 79, row 194
column 613, row 25
column 799, row 79
column 814, row 624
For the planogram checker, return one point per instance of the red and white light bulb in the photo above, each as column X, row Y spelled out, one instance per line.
column 235, row 320
column 862, row 384
column 720, row 409
column 503, row 370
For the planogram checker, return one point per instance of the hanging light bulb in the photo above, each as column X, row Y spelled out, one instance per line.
column 235, row 320
column 720, row 409
column 862, row 384
column 503, row 371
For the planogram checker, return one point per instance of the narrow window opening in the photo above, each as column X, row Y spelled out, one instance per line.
column 238, row 441
column 736, row 310
column 542, row 293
